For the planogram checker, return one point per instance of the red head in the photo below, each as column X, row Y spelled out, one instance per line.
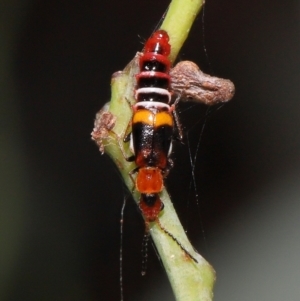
column 158, row 43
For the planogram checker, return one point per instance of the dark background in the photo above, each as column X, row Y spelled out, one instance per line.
column 61, row 200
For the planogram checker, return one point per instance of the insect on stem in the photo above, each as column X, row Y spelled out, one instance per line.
column 149, row 90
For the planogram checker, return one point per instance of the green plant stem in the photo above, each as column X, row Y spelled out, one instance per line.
column 178, row 22
column 190, row 281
